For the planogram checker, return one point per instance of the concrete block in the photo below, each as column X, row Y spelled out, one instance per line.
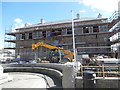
column 107, row 83
column 78, row 82
column 68, row 80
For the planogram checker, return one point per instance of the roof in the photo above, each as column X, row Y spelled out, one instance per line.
column 63, row 22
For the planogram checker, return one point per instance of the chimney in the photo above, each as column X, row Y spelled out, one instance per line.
column 78, row 16
column 99, row 16
column 42, row 21
column 27, row 24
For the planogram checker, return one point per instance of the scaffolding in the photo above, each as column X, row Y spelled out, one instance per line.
column 90, row 35
column 115, row 33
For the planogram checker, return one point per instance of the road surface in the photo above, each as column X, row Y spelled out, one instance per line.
column 28, row 80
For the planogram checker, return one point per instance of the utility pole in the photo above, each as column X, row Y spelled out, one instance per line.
column 73, row 37
column 118, row 14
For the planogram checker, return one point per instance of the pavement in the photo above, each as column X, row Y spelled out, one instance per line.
column 29, row 80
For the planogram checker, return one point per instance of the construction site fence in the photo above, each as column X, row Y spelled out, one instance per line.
column 101, row 71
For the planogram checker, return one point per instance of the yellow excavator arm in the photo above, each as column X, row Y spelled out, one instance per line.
column 34, row 46
column 68, row 54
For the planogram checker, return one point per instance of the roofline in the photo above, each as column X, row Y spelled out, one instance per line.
column 62, row 22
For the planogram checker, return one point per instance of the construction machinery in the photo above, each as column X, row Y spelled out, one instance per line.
column 56, row 54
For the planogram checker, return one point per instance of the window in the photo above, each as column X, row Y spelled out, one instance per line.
column 69, row 31
column 23, row 36
column 56, row 32
column 103, row 28
column 95, row 29
column 44, row 33
column 49, row 34
column 30, row 35
column 53, row 33
column 59, row 32
column 85, row 30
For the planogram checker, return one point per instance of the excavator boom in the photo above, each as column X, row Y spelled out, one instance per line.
column 67, row 54
column 34, row 46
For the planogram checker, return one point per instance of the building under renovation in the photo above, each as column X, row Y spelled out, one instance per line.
column 91, row 37
column 115, row 35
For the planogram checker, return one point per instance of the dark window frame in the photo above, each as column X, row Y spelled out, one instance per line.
column 30, row 36
column 95, row 28
column 44, row 33
column 85, row 29
column 23, row 36
column 69, row 30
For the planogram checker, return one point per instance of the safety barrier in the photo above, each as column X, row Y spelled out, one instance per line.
column 102, row 71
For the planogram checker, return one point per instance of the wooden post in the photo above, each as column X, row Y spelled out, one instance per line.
column 103, row 70
column 81, row 70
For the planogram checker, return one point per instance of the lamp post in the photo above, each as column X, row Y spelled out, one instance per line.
column 73, row 37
